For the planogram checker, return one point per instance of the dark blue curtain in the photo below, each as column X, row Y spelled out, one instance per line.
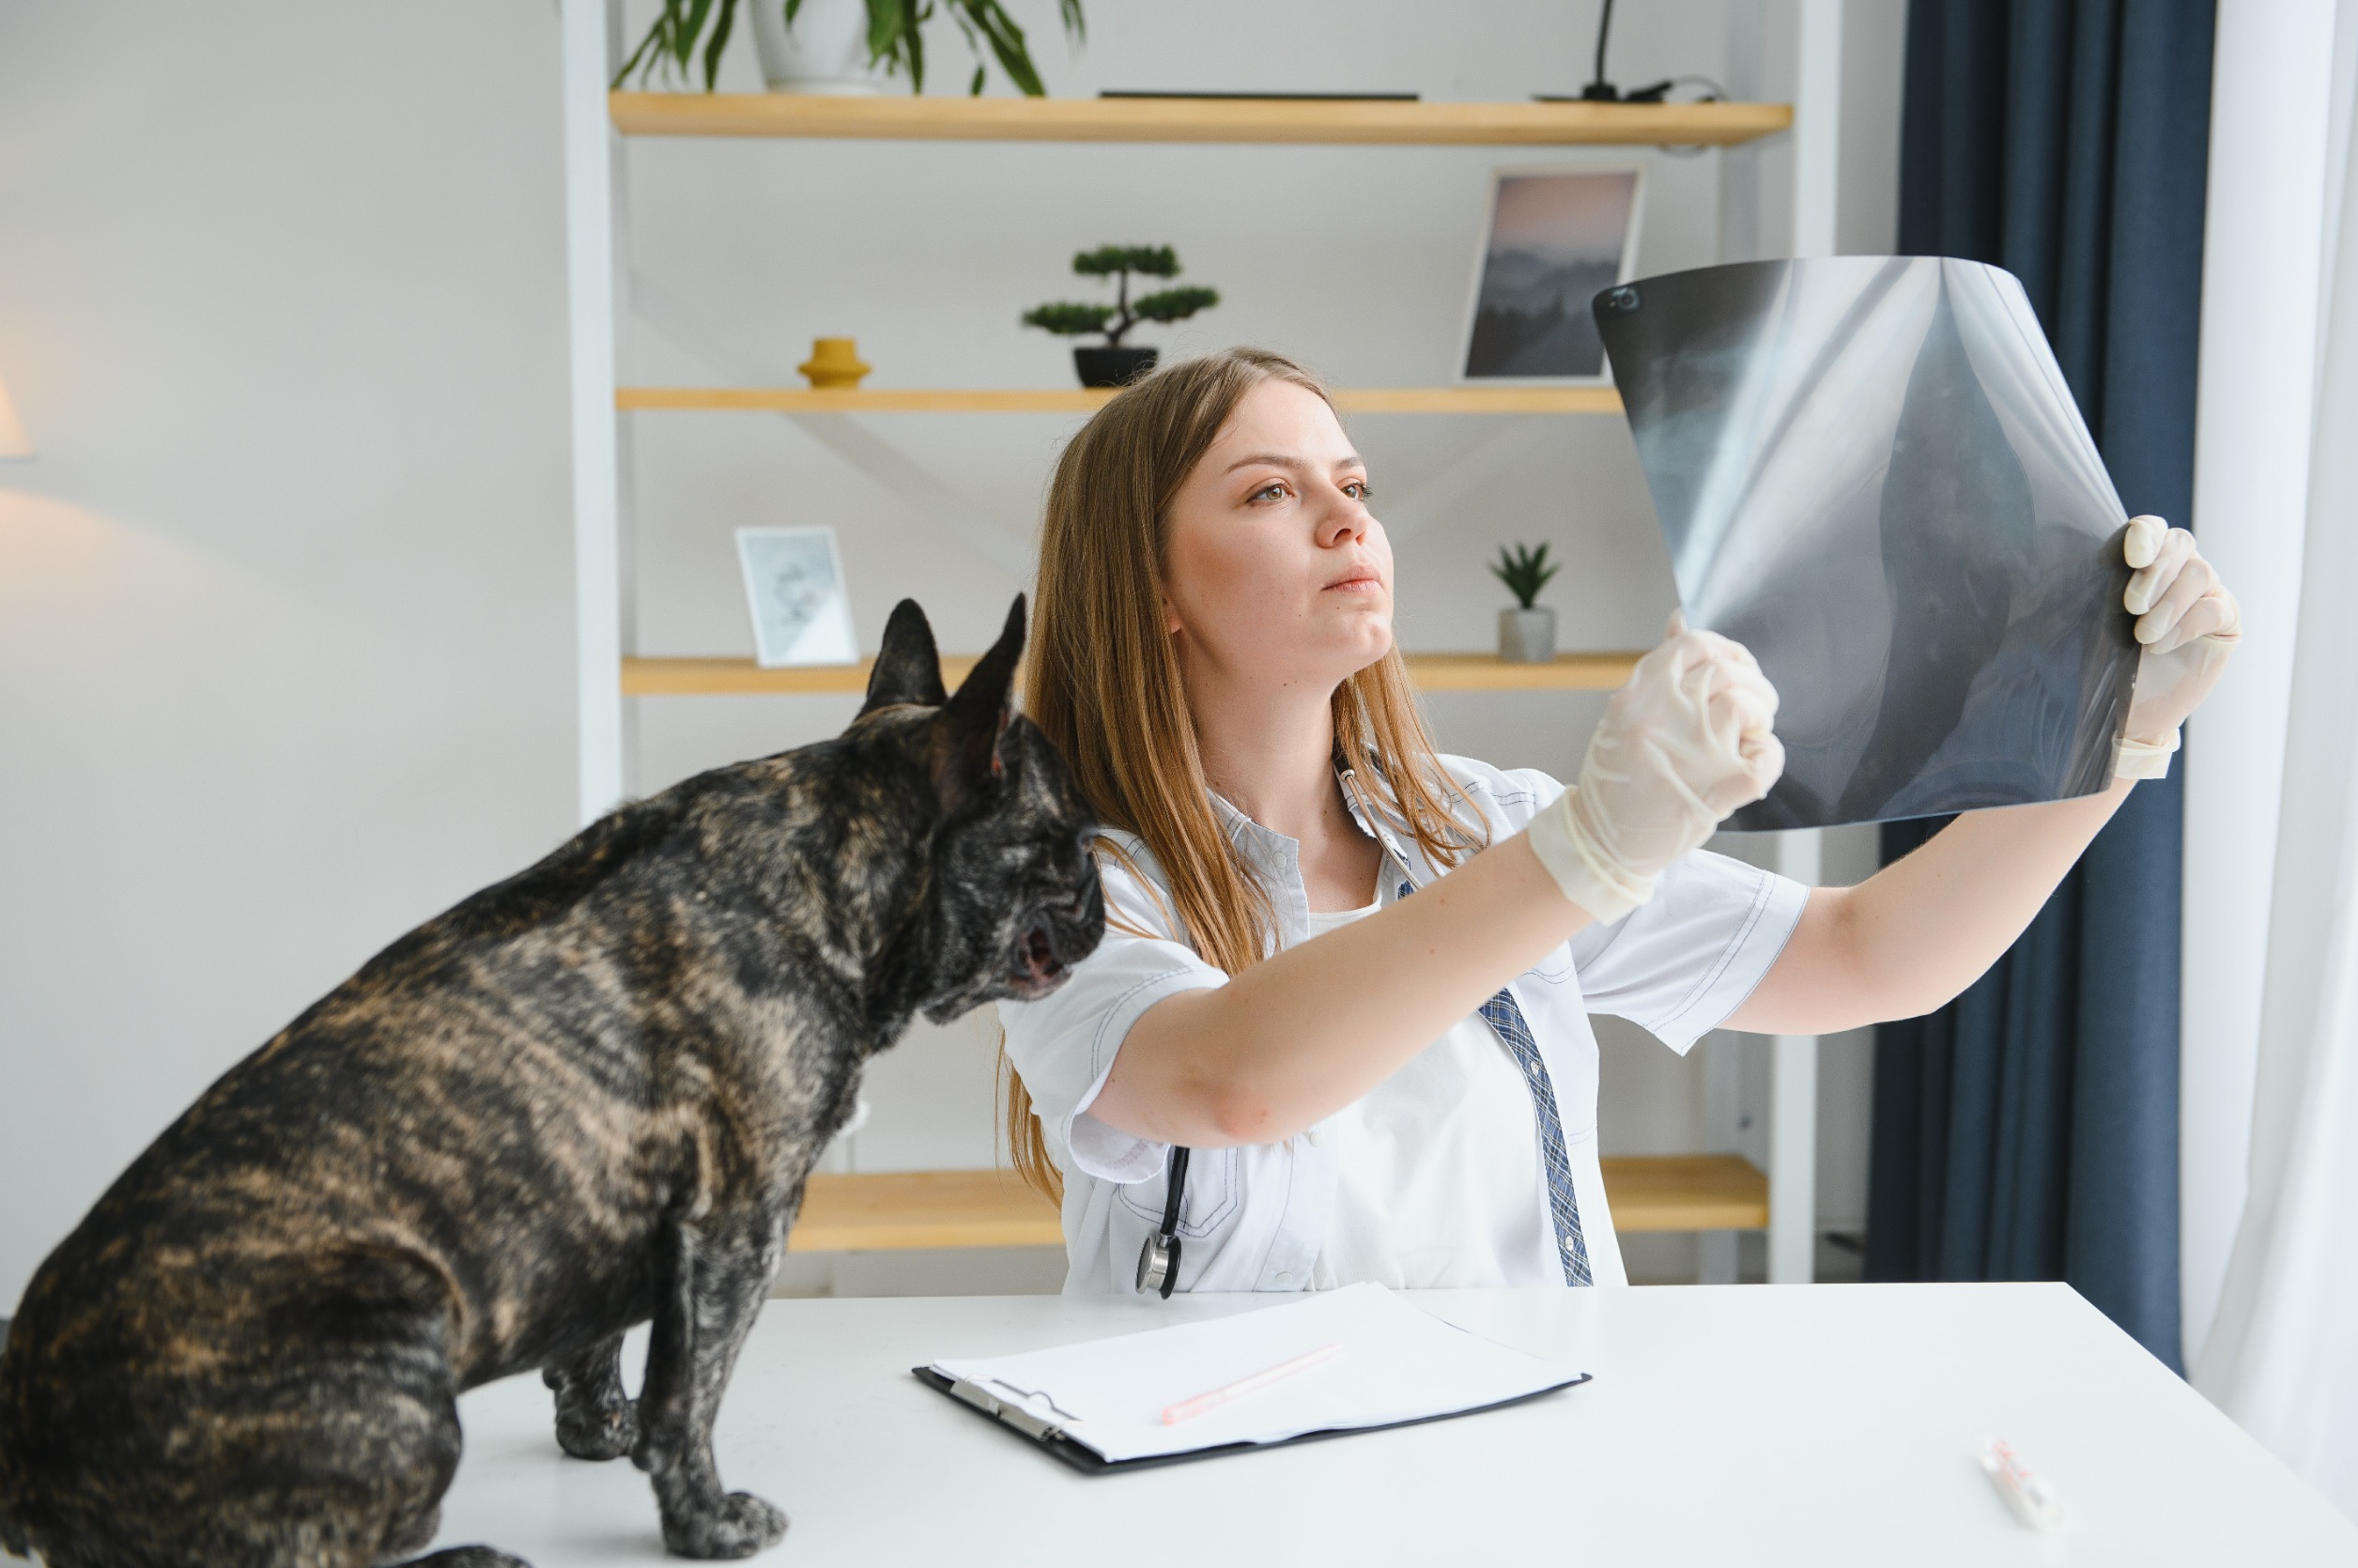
column 2028, row 1131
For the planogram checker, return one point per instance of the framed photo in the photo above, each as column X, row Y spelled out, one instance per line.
column 793, row 586
column 1557, row 237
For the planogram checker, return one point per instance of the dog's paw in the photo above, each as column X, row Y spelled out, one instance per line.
column 467, row 1556
column 737, row 1525
column 605, row 1430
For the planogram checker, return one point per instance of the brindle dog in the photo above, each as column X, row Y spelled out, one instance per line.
column 583, row 1099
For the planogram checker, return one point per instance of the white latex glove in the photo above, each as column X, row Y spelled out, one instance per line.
column 2188, row 623
column 1687, row 741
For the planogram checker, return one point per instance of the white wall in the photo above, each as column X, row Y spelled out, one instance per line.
column 284, row 639
column 285, row 646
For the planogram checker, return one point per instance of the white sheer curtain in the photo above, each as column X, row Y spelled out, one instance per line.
column 2282, row 1355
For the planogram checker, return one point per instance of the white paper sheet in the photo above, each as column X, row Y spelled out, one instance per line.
column 1398, row 1364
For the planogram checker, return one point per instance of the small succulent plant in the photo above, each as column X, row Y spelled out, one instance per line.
column 1525, row 571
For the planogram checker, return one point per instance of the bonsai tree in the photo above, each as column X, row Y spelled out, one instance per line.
column 1525, row 571
column 895, row 39
column 1066, row 319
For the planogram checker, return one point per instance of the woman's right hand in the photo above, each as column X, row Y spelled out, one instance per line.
column 1688, row 739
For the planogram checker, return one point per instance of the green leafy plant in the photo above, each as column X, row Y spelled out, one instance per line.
column 896, row 38
column 1525, row 571
column 1066, row 319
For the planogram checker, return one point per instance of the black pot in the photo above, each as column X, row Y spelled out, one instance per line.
column 1112, row 367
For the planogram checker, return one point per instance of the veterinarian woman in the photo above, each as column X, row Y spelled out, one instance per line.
column 1354, row 977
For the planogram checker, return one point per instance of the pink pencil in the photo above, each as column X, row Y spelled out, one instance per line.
column 1187, row 1408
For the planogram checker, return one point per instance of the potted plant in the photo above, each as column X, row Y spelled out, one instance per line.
column 1112, row 364
column 841, row 43
column 1527, row 634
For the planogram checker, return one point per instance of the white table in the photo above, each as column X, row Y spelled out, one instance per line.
column 1730, row 1424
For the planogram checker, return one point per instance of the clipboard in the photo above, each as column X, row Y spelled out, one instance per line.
column 1370, row 1362
column 1053, row 1439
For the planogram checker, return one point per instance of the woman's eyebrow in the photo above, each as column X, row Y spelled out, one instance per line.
column 1278, row 460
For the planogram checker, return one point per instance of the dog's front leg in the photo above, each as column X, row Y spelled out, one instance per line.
column 711, row 1287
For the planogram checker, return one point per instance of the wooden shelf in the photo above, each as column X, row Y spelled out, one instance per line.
column 742, row 677
column 1078, row 400
column 1478, row 400
column 1432, row 672
column 1488, row 672
column 1196, row 120
column 1686, row 1192
column 888, row 1211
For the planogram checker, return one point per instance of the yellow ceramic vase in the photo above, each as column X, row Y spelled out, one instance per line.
column 834, row 362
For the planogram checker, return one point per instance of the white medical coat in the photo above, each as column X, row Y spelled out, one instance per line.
column 1254, row 1217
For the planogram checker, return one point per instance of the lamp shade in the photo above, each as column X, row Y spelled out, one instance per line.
column 14, row 444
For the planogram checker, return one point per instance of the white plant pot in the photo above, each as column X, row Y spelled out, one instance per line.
column 1527, row 636
column 827, row 51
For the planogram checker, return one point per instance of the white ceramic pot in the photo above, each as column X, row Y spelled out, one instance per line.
column 1527, row 636
column 826, row 52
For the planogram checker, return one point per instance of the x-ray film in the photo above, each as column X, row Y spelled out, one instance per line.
column 1870, row 473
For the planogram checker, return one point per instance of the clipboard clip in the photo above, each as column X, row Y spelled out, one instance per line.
column 1032, row 1426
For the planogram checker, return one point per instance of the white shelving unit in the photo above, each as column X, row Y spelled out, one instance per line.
column 612, row 678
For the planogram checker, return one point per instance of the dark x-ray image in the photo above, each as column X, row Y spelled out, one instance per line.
column 1870, row 473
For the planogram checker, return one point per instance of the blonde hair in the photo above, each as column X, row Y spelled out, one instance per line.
column 1102, row 681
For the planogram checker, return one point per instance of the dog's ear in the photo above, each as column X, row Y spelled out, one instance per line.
column 907, row 668
column 970, row 724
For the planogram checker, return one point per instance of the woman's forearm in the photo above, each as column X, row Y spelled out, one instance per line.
column 1911, row 937
column 1295, row 1038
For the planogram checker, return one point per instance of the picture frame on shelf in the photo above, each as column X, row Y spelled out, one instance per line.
column 795, row 592
column 1556, row 236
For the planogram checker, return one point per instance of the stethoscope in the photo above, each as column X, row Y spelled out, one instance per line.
column 1159, row 1259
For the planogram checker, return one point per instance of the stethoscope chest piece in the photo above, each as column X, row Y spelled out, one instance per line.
column 1158, row 1265
column 1159, row 1259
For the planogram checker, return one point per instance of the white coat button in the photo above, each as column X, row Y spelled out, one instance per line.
column 1285, row 1277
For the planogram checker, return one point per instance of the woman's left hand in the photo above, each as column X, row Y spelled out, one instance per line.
column 2188, row 624
column 1917, row 932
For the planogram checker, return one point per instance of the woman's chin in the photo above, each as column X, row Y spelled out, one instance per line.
column 1361, row 647
column 1329, row 654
